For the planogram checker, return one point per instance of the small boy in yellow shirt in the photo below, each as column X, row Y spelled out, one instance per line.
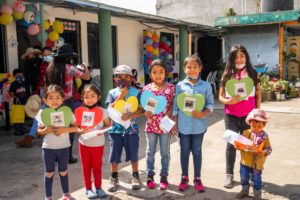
column 252, row 161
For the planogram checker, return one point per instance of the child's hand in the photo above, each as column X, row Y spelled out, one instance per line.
column 174, row 130
column 125, row 117
column 235, row 99
column 198, row 114
column 59, row 130
column 148, row 114
column 46, row 130
column 260, row 153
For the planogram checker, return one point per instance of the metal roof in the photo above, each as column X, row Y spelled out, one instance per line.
column 257, row 19
column 92, row 6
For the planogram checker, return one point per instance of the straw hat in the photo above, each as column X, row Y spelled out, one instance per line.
column 32, row 106
column 29, row 51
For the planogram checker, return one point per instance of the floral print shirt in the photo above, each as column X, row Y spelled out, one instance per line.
column 153, row 122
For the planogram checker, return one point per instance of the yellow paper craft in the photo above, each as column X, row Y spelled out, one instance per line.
column 128, row 106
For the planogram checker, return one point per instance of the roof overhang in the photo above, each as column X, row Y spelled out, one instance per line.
column 257, row 19
column 92, row 6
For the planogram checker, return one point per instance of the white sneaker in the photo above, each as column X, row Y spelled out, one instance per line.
column 228, row 181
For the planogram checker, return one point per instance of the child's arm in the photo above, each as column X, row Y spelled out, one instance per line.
column 200, row 114
column 124, row 92
column 209, row 104
column 258, row 95
column 229, row 101
column 61, row 130
column 45, row 130
column 133, row 115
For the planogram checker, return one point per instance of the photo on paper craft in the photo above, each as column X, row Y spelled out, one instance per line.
column 87, row 119
column 127, row 109
column 189, row 104
column 57, row 119
column 151, row 105
column 240, row 89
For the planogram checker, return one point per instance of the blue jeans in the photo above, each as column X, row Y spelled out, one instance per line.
column 164, row 143
column 34, row 128
column 245, row 171
column 191, row 143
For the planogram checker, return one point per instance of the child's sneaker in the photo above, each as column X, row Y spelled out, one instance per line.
column 90, row 194
column 163, row 183
column 100, row 193
column 48, row 198
column 150, row 182
column 183, row 185
column 136, row 183
column 113, row 184
column 68, row 197
column 198, row 185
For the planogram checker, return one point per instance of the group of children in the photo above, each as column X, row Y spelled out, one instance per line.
column 190, row 129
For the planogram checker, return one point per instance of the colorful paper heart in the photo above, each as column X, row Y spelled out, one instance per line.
column 88, row 117
column 130, row 105
column 233, row 85
column 187, row 103
column 59, row 117
column 159, row 103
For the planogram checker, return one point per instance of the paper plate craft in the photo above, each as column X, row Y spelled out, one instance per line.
column 250, row 148
column 153, row 103
column 132, row 92
column 128, row 106
column 241, row 87
column 187, row 103
column 61, row 117
column 86, row 118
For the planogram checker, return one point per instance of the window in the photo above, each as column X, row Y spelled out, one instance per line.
column 3, row 63
column 93, row 44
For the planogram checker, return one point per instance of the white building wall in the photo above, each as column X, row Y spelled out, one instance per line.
column 129, row 37
column 203, row 11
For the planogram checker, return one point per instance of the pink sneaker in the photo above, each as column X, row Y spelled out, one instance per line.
column 68, row 197
column 150, row 182
column 163, row 183
column 198, row 185
column 183, row 185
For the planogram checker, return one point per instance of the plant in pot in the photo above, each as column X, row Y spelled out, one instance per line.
column 266, row 88
column 280, row 88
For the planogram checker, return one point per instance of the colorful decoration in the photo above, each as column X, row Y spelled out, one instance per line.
column 153, row 103
column 33, row 29
column 59, row 117
column 6, row 19
column 19, row 7
column 128, row 106
column 53, row 36
column 151, row 51
column 29, row 16
column 58, row 26
column 6, row 9
column 47, row 24
column 49, row 43
column 78, row 82
column 166, row 53
column 18, row 15
column 86, row 118
column 188, row 103
column 242, row 87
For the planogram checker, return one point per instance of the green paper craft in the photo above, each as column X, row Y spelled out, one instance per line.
column 62, row 116
column 245, row 83
column 187, row 103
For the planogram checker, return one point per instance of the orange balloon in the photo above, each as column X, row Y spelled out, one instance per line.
column 149, row 48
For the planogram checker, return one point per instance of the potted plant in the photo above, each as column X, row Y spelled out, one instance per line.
column 280, row 88
column 266, row 88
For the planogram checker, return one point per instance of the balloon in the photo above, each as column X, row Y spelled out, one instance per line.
column 28, row 7
column 170, row 56
column 33, row 29
column 170, row 75
column 49, row 43
column 19, row 7
column 6, row 19
column 164, row 39
column 155, row 38
column 59, row 42
column 37, row 18
column 155, row 57
column 155, row 52
column 78, row 82
column 170, row 63
column 34, row 8
column 149, row 48
column 18, row 15
column 168, row 43
column 155, row 44
column 149, row 33
column 149, row 55
column 149, row 42
column 148, row 61
column 58, row 26
column 6, row 9
column 146, row 37
column 53, row 36
column 10, row 2
column 39, row 37
column 47, row 24
column 29, row 16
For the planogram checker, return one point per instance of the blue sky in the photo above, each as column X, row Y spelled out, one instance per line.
column 145, row 6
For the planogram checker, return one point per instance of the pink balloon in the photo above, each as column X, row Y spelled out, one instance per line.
column 19, row 6
column 6, row 9
column 33, row 29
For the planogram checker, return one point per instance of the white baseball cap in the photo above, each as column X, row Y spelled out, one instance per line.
column 123, row 69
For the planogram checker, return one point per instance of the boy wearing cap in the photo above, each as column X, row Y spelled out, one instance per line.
column 119, row 136
column 252, row 161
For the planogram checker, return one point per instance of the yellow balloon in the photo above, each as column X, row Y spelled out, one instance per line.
column 53, row 36
column 155, row 52
column 46, row 24
column 128, row 106
column 18, row 15
column 58, row 26
column 6, row 19
column 78, row 82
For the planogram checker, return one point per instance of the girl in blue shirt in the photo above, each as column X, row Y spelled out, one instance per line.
column 191, row 129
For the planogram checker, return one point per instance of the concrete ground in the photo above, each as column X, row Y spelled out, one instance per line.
column 21, row 170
